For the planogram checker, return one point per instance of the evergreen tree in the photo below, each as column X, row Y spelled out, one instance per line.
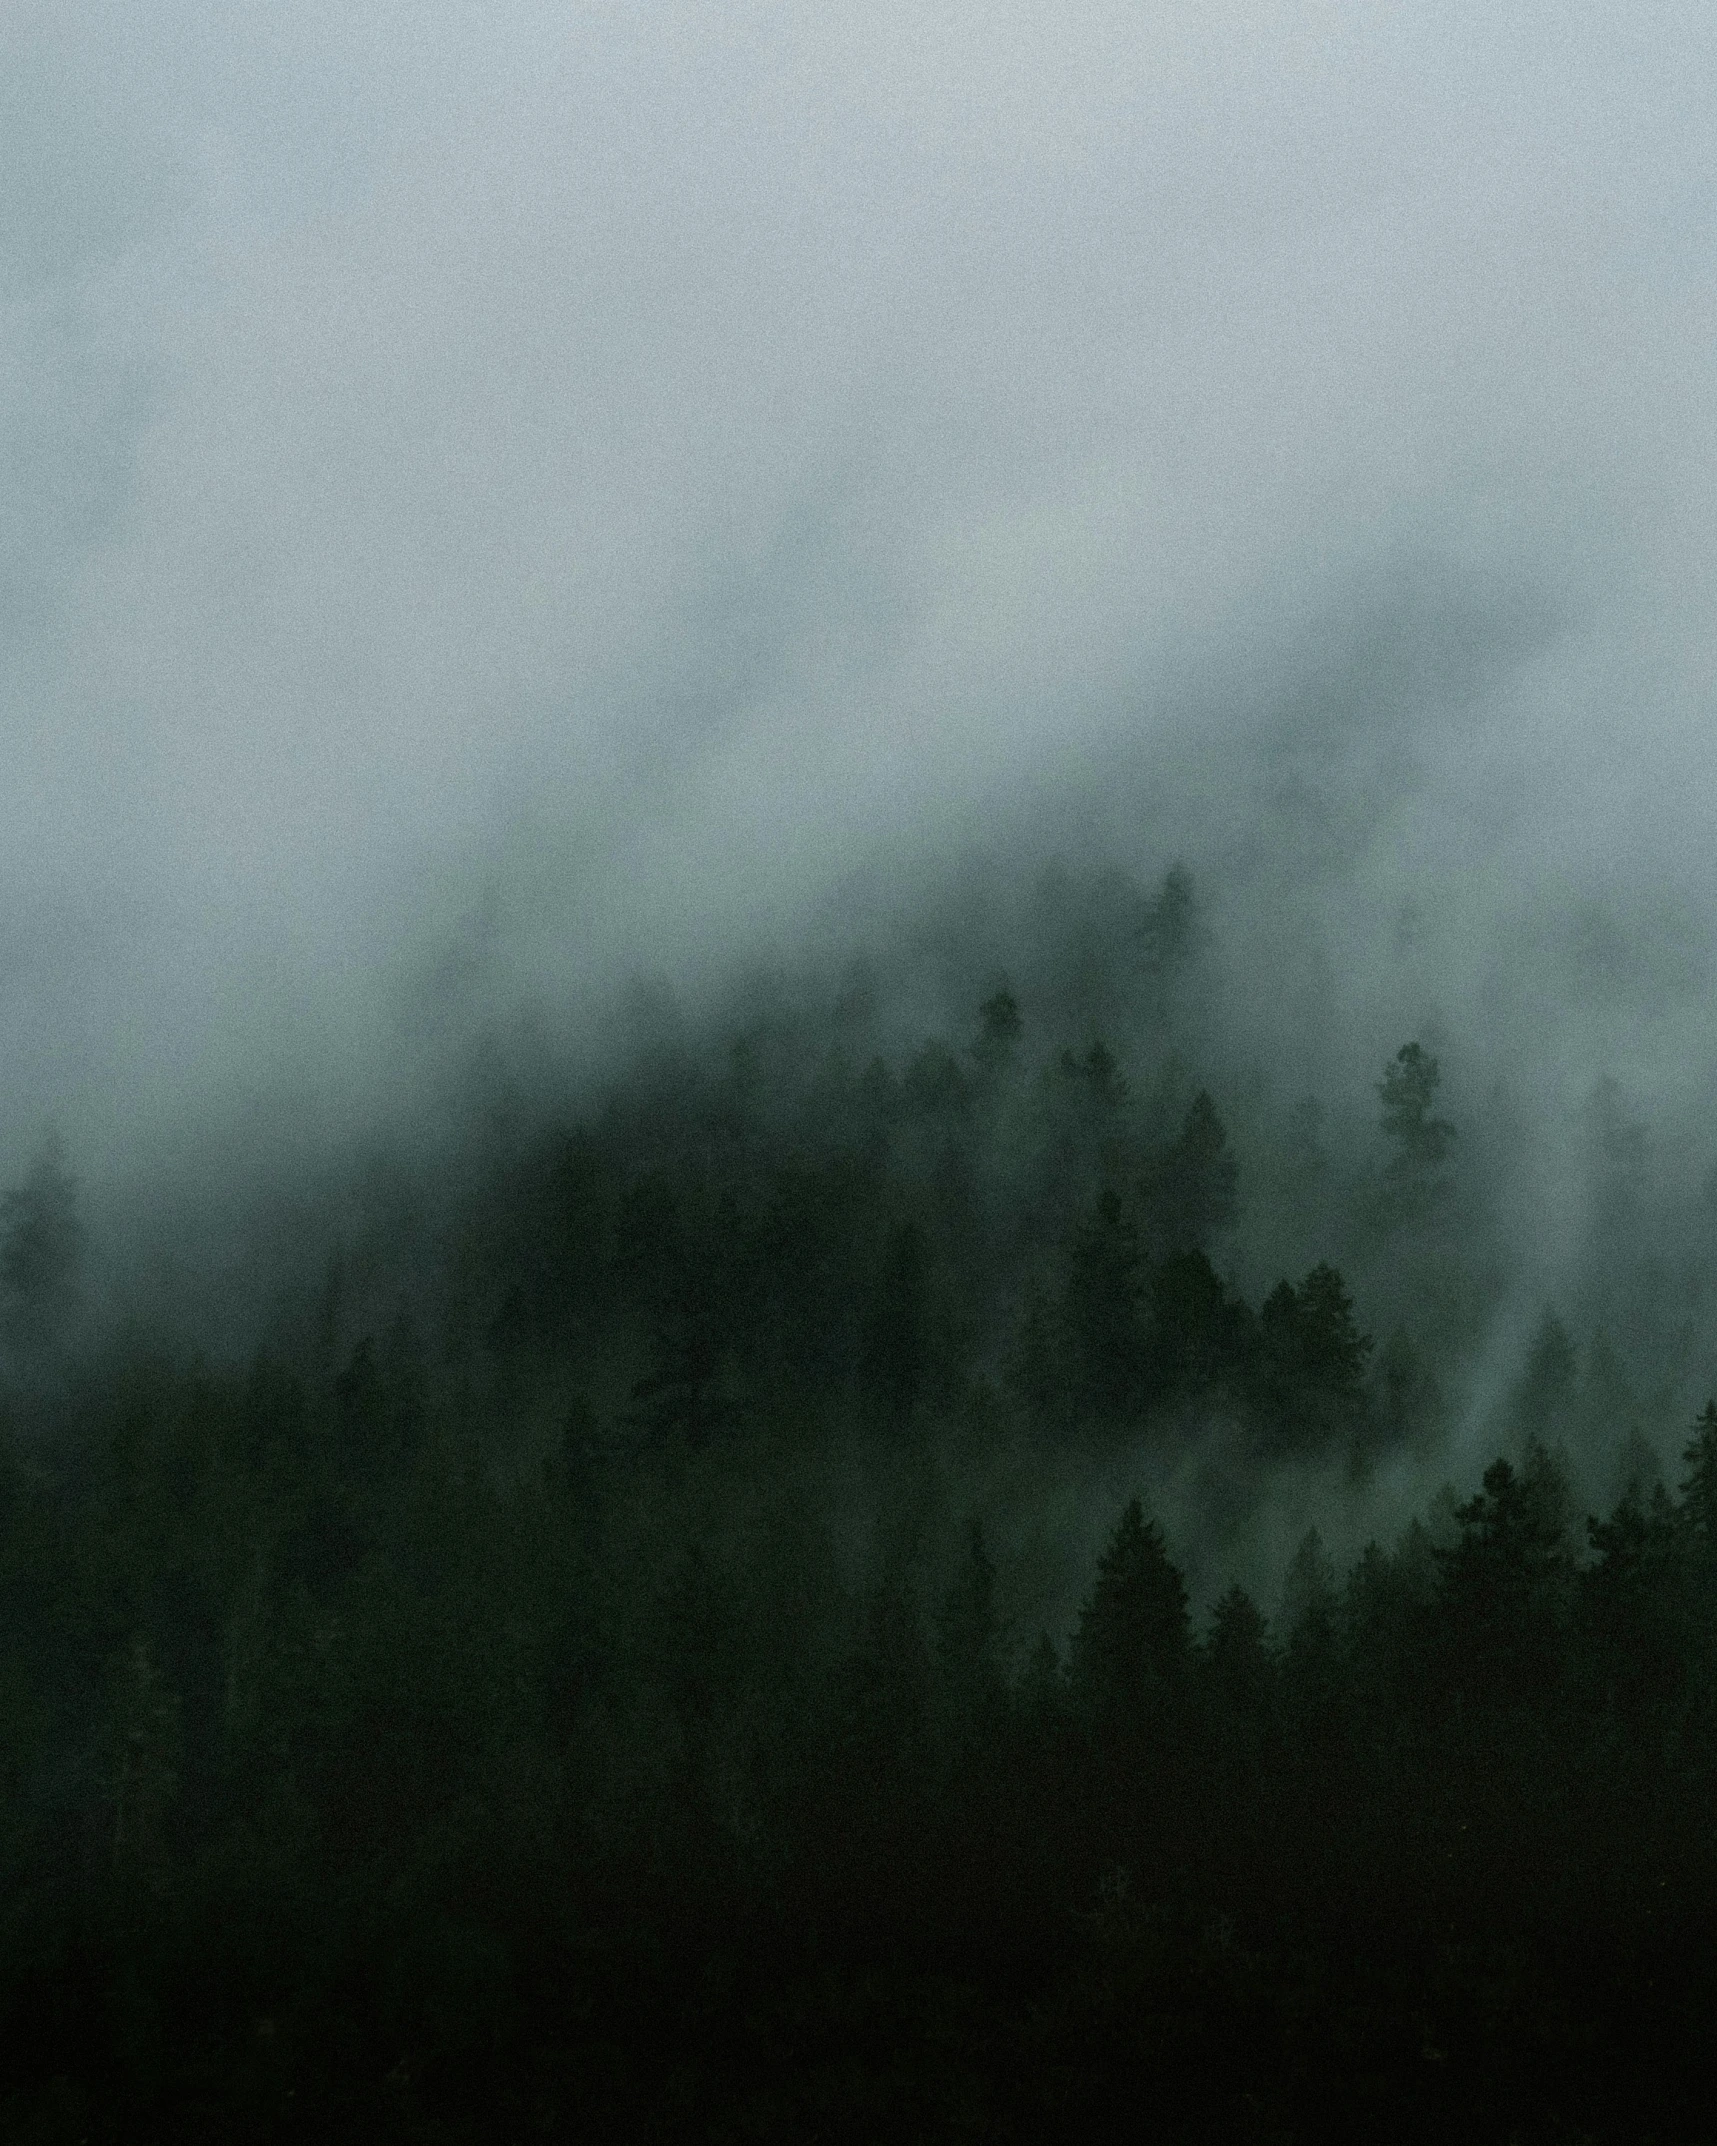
column 1695, row 1519
column 936, row 1086
column 1311, row 1655
column 1191, row 1191
column 1237, row 1654
column 41, row 1248
column 886, row 1708
column 1419, row 1139
column 1541, row 1404
column 147, row 1758
column 1699, row 1485
column 969, row 1650
column 1309, row 1598
column 1131, row 1649
column 1199, row 1333
column 1633, row 1617
column 1507, row 1586
column 1311, row 1379
column 1171, row 931
column 1043, row 1685
column 683, row 1258
column 1385, row 1617
column 1102, row 1307
column 1037, row 1368
column 999, row 1027
column 1333, row 1351
column 1607, row 1414
column 1096, row 1101
column 1410, row 1409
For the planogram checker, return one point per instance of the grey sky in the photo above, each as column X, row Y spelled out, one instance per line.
column 620, row 465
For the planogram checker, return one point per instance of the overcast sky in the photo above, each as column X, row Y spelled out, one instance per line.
column 571, row 483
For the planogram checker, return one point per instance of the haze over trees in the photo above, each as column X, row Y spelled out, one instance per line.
column 742, row 1603
column 41, row 1249
column 862, row 858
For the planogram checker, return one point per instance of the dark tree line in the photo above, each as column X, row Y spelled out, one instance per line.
column 576, row 1695
column 338, row 1771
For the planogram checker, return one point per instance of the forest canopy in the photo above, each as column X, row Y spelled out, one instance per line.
column 804, row 1514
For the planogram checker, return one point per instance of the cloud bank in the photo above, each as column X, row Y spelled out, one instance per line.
column 501, row 497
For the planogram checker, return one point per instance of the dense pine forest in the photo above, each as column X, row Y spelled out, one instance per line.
column 936, row 1554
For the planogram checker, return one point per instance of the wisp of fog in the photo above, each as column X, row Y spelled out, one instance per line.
column 500, row 501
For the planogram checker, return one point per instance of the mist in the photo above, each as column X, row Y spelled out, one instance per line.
column 560, row 498
column 855, row 902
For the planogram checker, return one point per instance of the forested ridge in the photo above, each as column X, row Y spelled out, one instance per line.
column 674, row 1629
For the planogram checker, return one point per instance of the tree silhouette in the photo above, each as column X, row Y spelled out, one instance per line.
column 1191, row 1194
column 999, row 1027
column 1102, row 1305
column 1632, row 1614
column 1131, row 1647
column 1312, row 1363
column 1542, row 1401
column 1699, row 1485
column 1199, row 1333
column 1171, row 928
column 1410, row 1401
column 1507, row 1586
column 1421, row 1141
column 41, row 1248
column 1237, row 1654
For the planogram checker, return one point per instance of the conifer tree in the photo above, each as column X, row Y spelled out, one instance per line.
column 41, row 1248
column 1132, row 1644
column 1420, row 1140
column 999, row 1026
column 1191, row 1191
column 1507, row 1584
column 1542, row 1401
column 1312, row 1363
column 1102, row 1307
column 1699, row 1485
column 1237, row 1654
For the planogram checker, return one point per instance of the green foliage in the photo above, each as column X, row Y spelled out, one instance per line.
column 1133, row 1641
column 1102, row 1308
column 1172, row 929
column 1191, row 1193
column 552, row 1690
column 1507, row 1587
column 1238, row 1654
column 1312, row 1364
column 1200, row 1334
column 1699, row 1485
column 1410, row 1406
column 1000, row 1026
column 1419, row 1140
column 1542, row 1403
column 41, row 1249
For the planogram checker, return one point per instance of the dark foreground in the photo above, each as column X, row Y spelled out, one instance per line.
column 534, row 1812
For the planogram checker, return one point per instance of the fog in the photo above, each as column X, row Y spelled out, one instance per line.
column 504, row 500
column 858, row 1210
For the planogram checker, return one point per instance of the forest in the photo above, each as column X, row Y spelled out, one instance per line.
column 933, row 1555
